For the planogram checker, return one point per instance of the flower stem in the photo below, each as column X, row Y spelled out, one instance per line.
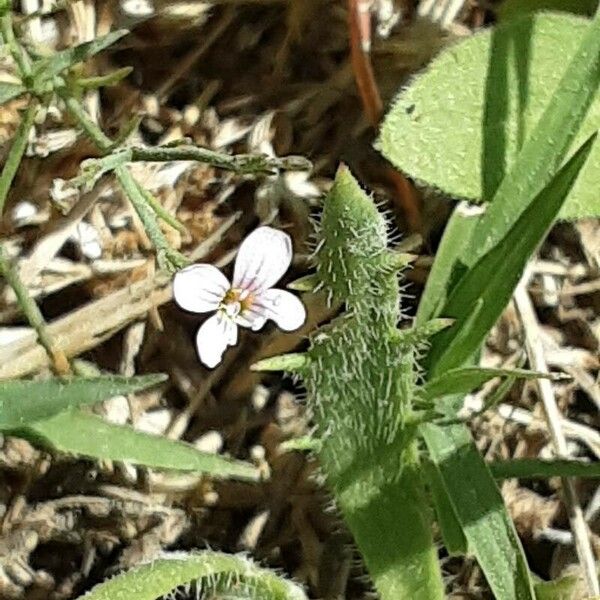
column 16, row 153
column 34, row 316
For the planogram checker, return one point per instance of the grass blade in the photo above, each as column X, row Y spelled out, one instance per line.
column 83, row 434
column 24, row 401
column 491, row 281
column 534, row 468
column 480, row 510
column 467, row 379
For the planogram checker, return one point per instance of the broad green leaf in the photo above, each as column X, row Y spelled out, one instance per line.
column 486, row 288
column 480, row 511
column 47, row 68
column 467, row 379
column 8, row 91
column 535, row 468
column 83, row 434
column 461, row 124
column 511, row 9
column 233, row 576
column 24, row 401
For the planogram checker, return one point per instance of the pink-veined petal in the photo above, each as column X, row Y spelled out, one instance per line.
column 215, row 334
column 199, row 288
column 264, row 256
column 282, row 307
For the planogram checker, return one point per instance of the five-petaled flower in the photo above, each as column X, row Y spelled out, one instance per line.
column 263, row 258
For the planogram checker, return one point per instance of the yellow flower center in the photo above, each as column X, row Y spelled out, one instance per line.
column 236, row 301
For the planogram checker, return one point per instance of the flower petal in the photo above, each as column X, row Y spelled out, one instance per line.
column 264, row 256
column 282, row 307
column 215, row 334
column 199, row 288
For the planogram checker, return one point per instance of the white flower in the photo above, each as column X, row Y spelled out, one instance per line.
column 263, row 258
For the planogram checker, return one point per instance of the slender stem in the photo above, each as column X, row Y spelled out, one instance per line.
column 241, row 163
column 16, row 153
column 16, row 50
column 160, row 210
column 32, row 312
column 92, row 130
column 167, row 256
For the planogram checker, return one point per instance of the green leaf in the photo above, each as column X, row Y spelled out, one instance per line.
column 486, row 288
column 24, row 401
column 535, row 468
column 467, row 379
column 480, row 511
column 233, row 576
column 47, row 68
column 8, row 91
column 446, row 267
column 564, row 588
column 461, row 125
column 84, row 434
column 511, row 9
column 452, row 533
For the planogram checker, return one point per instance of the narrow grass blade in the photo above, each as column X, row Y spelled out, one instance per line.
column 83, row 434
column 467, row 379
column 228, row 575
column 452, row 533
column 447, row 267
column 480, row 511
column 24, row 401
column 535, row 468
column 491, row 281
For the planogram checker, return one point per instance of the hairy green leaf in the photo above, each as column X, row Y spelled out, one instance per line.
column 24, row 401
column 361, row 377
column 83, row 434
column 496, row 96
column 232, row 576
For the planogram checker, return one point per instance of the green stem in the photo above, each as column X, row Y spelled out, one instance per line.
column 161, row 211
column 241, row 163
column 32, row 312
column 16, row 153
column 167, row 257
column 16, row 50
column 102, row 141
